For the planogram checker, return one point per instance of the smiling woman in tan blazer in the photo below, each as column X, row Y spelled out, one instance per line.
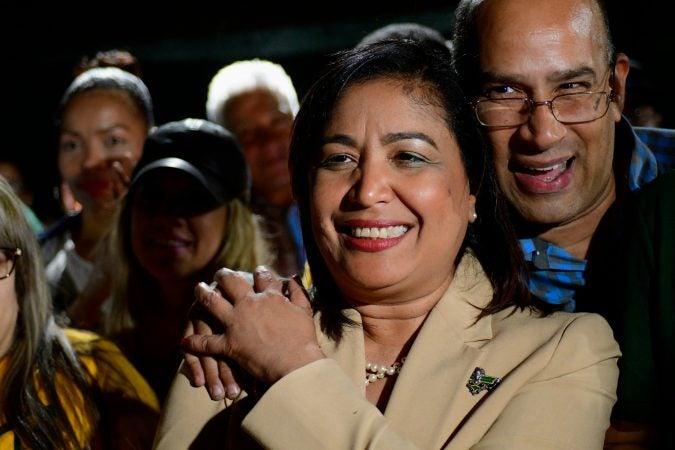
column 420, row 332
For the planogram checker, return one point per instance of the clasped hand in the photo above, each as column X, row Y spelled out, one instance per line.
column 239, row 333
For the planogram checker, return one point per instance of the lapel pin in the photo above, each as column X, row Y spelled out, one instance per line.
column 478, row 382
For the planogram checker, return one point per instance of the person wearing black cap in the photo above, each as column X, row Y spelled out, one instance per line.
column 184, row 217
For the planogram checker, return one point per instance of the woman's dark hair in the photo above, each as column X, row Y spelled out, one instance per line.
column 115, row 57
column 406, row 30
column 419, row 65
column 110, row 78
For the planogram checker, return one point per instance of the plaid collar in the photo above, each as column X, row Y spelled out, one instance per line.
column 555, row 274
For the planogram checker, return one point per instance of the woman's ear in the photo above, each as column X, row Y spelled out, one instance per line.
column 472, row 209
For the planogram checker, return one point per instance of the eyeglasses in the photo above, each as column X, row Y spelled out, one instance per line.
column 8, row 257
column 568, row 109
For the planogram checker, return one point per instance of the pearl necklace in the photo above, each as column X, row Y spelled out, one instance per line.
column 380, row 371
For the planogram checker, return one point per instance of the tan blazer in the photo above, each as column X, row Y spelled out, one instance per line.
column 559, row 376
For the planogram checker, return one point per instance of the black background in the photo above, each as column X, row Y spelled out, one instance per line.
column 181, row 47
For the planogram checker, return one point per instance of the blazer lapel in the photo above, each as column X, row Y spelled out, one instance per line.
column 431, row 389
column 350, row 354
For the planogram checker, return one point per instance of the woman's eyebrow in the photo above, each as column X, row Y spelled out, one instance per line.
column 388, row 139
column 406, row 135
column 339, row 139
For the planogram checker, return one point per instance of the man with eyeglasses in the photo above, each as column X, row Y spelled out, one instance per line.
column 549, row 89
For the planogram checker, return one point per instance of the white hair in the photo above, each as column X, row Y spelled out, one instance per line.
column 245, row 76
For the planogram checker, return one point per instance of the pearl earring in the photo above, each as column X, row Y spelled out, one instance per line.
column 474, row 216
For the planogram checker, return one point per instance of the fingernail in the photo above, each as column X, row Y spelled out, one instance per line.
column 217, row 392
column 233, row 391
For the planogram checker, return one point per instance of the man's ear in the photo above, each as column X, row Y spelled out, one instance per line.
column 618, row 82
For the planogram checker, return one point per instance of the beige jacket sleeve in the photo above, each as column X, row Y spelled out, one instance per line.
column 186, row 412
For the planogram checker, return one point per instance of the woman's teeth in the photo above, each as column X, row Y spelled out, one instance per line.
column 379, row 233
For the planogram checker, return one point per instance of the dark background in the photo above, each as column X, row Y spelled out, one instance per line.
column 181, row 47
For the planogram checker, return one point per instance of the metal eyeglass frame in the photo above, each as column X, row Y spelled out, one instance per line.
column 611, row 95
column 12, row 254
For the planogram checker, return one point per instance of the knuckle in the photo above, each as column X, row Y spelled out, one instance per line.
column 200, row 343
column 222, row 273
column 208, row 299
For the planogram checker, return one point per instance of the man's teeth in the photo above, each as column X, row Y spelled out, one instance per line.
column 379, row 233
column 560, row 166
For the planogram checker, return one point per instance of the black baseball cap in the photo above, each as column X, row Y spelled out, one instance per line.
column 201, row 149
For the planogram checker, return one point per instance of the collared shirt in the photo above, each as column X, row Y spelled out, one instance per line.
column 558, row 277
column 661, row 142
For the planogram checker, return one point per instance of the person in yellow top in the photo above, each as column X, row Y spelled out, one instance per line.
column 60, row 388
